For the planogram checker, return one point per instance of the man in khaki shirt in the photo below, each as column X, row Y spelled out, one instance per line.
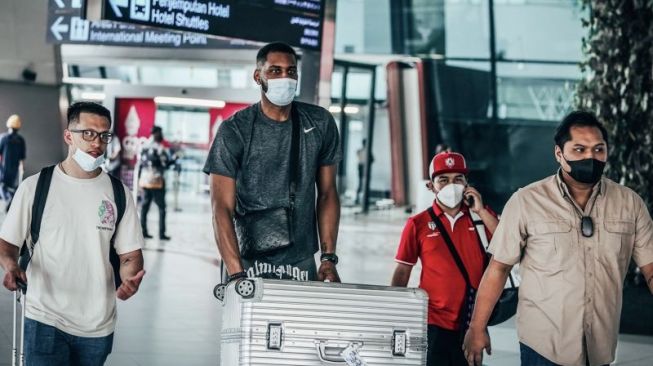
column 573, row 234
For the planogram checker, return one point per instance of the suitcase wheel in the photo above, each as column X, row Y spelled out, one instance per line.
column 245, row 288
column 219, row 291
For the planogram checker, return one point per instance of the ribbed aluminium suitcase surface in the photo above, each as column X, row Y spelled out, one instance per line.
column 311, row 323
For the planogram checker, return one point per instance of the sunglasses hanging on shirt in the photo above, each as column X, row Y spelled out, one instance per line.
column 586, row 222
column 586, row 226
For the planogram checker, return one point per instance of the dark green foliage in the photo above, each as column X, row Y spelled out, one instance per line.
column 618, row 86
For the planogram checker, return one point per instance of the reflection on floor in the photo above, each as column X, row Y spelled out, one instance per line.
column 175, row 320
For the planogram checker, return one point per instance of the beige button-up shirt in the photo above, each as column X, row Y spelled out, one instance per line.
column 571, row 291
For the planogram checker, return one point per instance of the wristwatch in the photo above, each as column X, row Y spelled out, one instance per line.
column 331, row 257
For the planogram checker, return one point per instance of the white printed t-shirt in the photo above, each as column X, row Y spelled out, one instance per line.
column 70, row 279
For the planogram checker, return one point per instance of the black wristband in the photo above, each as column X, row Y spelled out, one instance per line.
column 237, row 275
column 331, row 257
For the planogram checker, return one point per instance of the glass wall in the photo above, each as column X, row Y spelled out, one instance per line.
column 530, row 78
column 363, row 27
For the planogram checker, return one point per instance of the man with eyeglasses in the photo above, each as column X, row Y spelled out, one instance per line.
column 71, row 306
column 573, row 234
column 427, row 236
column 251, row 173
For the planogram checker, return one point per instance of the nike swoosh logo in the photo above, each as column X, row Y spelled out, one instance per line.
column 309, row 130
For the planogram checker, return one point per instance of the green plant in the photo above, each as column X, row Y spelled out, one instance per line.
column 618, row 86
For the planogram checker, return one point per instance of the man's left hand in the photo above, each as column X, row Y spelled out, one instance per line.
column 478, row 206
column 130, row 285
column 328, row 272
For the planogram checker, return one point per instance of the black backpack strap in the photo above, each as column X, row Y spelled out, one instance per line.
column 40, row 197
column 294, row 154
column 121, row 202
column 452, row 249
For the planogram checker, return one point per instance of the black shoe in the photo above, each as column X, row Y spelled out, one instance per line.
column 147, row 236
column 164, row 237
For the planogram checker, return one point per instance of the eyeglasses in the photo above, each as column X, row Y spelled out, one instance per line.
column 90, row 135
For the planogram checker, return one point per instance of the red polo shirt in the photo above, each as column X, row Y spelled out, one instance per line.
column 440, row 276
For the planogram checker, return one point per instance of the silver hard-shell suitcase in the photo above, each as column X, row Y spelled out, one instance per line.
column 272, row 322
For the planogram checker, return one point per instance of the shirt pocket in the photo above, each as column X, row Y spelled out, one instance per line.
column 619, row 239
column 550, row 246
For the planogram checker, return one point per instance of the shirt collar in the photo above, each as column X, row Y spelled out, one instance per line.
column 564, row 189
column 439, row 212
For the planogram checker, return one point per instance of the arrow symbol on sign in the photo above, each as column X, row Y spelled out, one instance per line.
column 117, row 4
column 60, row 3
column 57, row 28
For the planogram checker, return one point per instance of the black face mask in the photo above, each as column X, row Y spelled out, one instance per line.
column 588, row 171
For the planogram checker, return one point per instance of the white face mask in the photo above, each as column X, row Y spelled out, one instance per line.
column 281, row 92
column 451, row 195
column 86, row 161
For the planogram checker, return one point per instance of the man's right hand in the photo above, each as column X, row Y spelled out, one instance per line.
column 13, row 274
column 476, row 340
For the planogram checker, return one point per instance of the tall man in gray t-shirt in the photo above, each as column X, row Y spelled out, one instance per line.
column 249, row 167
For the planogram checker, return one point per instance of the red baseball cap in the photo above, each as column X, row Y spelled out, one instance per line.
column 447, row 162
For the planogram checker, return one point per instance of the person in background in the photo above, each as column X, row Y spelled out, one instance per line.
column 12, row 159
column 154, row 159
column 112, row 163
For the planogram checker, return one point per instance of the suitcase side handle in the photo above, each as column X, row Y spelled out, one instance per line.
column 328, row 357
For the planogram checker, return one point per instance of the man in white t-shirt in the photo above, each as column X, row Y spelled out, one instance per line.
column 71, row 302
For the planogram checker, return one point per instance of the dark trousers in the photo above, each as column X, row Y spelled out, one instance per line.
column 47, row 346
column 531, row 358
column 159, row 197
column 445, row 347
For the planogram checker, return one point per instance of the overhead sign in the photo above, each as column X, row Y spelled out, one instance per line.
column 66, row 25
column 296, row 22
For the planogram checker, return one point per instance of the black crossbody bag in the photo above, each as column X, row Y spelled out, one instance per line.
column 505, row 308
column 265, row 231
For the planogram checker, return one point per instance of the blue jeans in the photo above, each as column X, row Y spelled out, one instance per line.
column 46, row 345
column 531, row 358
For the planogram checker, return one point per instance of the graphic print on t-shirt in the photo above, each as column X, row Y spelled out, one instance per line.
column 281, row 271
column 107, row 216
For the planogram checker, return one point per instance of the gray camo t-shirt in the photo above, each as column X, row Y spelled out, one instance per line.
column 255, row 151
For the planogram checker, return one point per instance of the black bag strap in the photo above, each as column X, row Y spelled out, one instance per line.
column 120, row 200
column 121, row 203
column 40, row 197
column 294, row 155
column 452, row 249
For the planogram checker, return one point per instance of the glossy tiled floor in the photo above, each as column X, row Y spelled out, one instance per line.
column 174, row 319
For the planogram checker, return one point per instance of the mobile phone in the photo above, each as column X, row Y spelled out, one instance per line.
column 469, row 200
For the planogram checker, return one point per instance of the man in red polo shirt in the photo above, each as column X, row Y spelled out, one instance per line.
column 441, row 278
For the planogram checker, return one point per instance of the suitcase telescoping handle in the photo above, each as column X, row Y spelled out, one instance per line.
column 321, row 348
column 22, row 287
